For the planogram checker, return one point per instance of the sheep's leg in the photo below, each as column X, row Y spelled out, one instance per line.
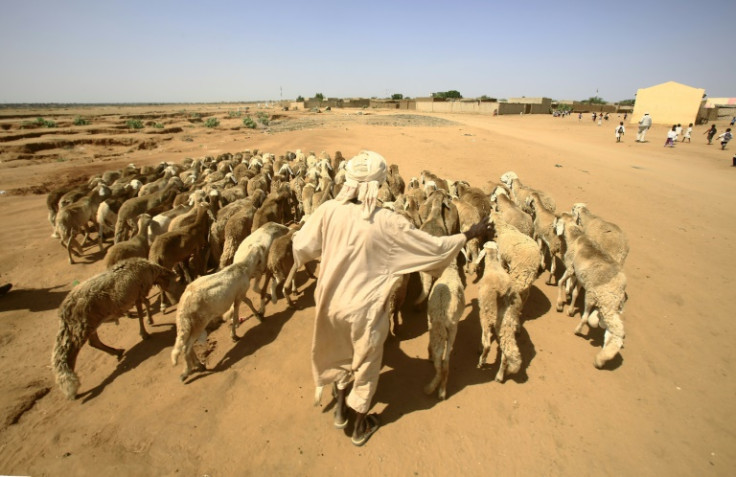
column 552, row 269
column 94, row 341
column 147, row 302
column 290, row 280
column 561, row 295
column 486, row 343
column 452, row 333
column 584, row 318
column 235, row 320
column 309, row 272
column 573, row 299
column 142, row 329
column 265, row 297
column 501, row 368
column 184, row 272
column 258, row 315
column 435, row 354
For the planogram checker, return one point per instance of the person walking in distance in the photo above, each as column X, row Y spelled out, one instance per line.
column 725, row 137
column 711, row 133
column 671, row 136
column 688, row 132
column 620, row 130
column 644, row 124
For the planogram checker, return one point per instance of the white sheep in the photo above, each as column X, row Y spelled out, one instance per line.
column 605, row 288
column 445, row 307
column 519, row 192
column 607, row 236
column 544, row 231
column 499, row 313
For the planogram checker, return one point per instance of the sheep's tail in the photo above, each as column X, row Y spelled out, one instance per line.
column 507, row 334
column 64, row 357
column 228, row 252
column 178, row 347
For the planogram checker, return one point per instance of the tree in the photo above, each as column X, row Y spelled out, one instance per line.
column 397, row 96
column 452, row 94
column 627, row 102
column 300, row 99
column 319, row 97
column 594, row 100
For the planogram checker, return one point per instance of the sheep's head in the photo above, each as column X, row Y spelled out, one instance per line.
column 577, row 208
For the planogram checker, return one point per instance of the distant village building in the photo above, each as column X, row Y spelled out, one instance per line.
column 670, row 103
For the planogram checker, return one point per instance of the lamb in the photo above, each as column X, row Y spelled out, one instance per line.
column 446, row 304
column 468, row 216
column 210, row 296
column 544, row 231
column 273, row 209
column 100, row 299
column 605, row 288
column 496, row 316
column 607, row 236
column 434, row 225
column 520, row 192
column 512, row 213
column 134, row 247
column 278, row 264
column 75, row 217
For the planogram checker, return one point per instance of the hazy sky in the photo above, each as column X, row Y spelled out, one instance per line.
column 191, row 51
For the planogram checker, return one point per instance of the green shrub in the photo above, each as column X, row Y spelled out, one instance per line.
column 134, row 124
column 234, row 114
column 262, row 118
column 212, row 122
column 80, row 121
column 158, row 126
column 249, row 123
column 46, row 123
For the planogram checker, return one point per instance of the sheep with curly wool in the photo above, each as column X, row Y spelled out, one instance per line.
column 605, row 288
column 102, row 298
column 499, row 314
column 445, row 307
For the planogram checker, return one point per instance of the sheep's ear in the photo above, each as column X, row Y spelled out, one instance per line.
column 465, row 254
column 559, row 227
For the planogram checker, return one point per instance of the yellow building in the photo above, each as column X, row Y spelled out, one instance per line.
column 668, row 103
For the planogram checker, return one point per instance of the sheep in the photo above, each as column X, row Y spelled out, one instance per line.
column 210, row 296
column 396, row 298
column 238, row 227
column 161, row 222
column 605, row 288
column 175, row 247
column 445, row 306
column 217, row 229
column 519, row 254
column 107, row 211
column 395, row 181
column 512, row 213
column 74, row 217
column 468, row 215
column 278, row 264
column 519, row 192
column 151, row 204
column 607, row 236
column 474, row 196
column 496, row 315
column 100, row 299
column 134, row 247
column 438, row 181
column 434, row 225
column 273, row 208
column 544, row 231
column 449, row 213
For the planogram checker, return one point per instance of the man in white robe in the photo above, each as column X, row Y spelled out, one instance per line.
column 364, row 250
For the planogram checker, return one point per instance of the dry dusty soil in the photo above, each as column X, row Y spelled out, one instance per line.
column 665, row 407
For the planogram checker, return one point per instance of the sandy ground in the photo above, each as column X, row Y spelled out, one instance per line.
column 663, row 408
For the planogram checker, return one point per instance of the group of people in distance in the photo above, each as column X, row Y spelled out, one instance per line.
column 673, row 134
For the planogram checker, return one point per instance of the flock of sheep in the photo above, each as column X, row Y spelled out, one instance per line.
column 204, row 230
